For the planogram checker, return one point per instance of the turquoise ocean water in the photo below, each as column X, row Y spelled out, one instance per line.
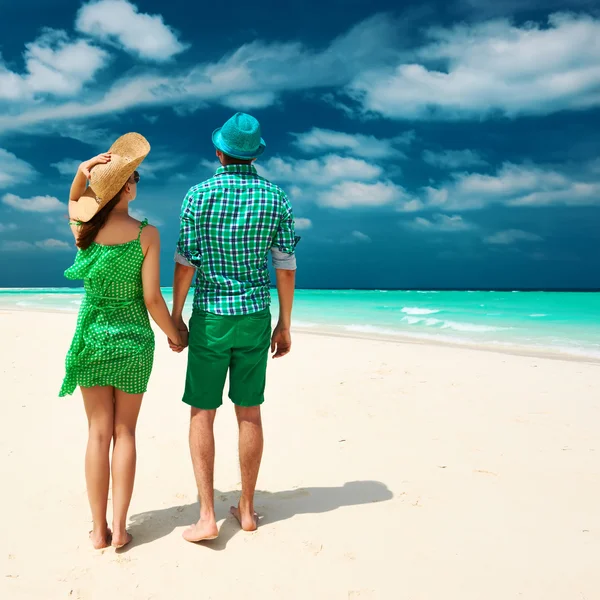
column 562, row 322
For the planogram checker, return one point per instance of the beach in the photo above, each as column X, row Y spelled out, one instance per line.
column 392, row 470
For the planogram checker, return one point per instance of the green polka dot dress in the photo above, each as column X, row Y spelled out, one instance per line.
column 113, row 343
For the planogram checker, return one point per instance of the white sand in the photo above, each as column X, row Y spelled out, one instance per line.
column 395, row 471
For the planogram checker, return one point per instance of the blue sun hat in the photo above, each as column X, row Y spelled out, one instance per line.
column 240, row 137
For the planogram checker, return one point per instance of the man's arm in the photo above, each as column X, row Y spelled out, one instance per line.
column 182, row 282
column 281, row 342
column 187, row 248
column 284, row 262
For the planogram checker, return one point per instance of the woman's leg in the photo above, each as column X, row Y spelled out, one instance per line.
column 127, row 408
column 99, row 407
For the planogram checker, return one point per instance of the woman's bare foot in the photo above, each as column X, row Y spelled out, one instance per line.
column 121, row 539
column 201, row 531
column 100, row 537
column 247, row 519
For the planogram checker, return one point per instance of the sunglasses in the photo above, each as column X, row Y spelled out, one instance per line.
column 136, row 176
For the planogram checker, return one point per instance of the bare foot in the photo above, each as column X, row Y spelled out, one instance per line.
column 100, row 539
column 247, row 520
column 201, row 531
column 120, row 540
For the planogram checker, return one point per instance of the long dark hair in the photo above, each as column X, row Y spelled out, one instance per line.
column 88, row 231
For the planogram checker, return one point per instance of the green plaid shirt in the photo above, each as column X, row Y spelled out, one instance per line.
column 229, row 223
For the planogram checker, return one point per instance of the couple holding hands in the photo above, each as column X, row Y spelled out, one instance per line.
column 229, row 224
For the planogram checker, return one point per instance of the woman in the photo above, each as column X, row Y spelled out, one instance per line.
column 112, row 351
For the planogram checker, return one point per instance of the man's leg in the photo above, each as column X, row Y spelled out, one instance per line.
column 208, row 361
column 251, row 449
column 202, row 448
column 247, row 378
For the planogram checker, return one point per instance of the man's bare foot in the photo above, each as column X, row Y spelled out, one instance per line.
column 100, row 538
column 248, row 520
column 121, row 539
column 201, row 531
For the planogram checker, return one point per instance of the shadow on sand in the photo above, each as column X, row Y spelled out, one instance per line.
column 150, row 526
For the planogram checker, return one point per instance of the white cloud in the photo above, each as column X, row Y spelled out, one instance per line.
column 13, row 170
column 84, row 133
column 364, row 146
column 491, row 68
column 40, row 204
column 441, row 223
column 52, row 244
column 303, row 223
column 4, row 227
column 144, row 35
column 98, row 138
column 453, row 159
column 67, row 166
column 318, row 171
column 16, row 246
column 49, row 245
column 515, row 185
column 54, row 65
column 411, row 205
column 510, row 236
column 140, row 215
column 250, row 101
column 468, row 71
column 351, row 194
column 294, row 192
column 255, row 74
column 210, row 165
column 359, row 236
column 158, row 163
column 338, row 182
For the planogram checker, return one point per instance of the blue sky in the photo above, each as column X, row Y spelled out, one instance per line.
column 423, row 144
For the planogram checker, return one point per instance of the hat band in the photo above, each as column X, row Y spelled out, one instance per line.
column 222, row 145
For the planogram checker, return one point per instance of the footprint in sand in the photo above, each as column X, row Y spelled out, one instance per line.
column 484, row 472
column 362, row 594
column 313, row 547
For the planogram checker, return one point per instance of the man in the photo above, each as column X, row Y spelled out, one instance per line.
column 229, row 224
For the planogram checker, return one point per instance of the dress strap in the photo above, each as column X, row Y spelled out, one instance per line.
column 142, row 225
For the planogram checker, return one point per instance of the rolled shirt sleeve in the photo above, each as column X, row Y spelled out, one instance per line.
column 281, row 260
column 285, row 240
column 188, row 251
column 182, row 260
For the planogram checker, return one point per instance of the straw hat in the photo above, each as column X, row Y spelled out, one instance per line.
column 127, row 153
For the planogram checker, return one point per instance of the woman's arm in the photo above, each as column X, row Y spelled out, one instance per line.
column 153, row 298
column 83, row 175
column 79, row 186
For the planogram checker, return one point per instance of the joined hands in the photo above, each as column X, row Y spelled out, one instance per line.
column 182, row 343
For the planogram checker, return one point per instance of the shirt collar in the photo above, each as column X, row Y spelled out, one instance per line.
column 248, row 169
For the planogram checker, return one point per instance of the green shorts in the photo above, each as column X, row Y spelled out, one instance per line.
column 218, row 344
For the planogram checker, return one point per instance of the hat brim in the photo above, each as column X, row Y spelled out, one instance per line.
column 91, row 203
column 128, row 153
column 87, row 206
column 220, row 144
